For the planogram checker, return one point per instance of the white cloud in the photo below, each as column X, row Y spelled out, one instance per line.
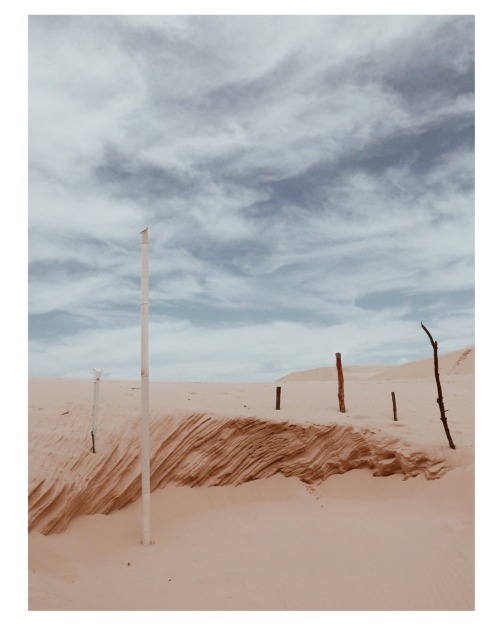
column 286, row 170
column 260, row 353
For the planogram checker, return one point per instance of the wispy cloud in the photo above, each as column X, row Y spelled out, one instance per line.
column 308, row 183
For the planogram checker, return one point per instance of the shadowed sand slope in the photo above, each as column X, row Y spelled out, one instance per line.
column 203, row 450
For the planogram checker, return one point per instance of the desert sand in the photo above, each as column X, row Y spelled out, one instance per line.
column 301, row 509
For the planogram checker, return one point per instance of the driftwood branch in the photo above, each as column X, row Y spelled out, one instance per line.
column 440, row 393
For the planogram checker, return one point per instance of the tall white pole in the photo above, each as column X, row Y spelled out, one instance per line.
column 146, row 531
column 97, row 378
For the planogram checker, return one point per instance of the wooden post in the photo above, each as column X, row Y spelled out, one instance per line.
column 278, row 398
column 394, row 408
column 439, row 400
column 341, row 382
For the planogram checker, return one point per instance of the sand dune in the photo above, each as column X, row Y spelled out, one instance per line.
column 457, row 362
column 287, row 466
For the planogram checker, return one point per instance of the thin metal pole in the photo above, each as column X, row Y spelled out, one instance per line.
column 145, row 460
column 97, row 378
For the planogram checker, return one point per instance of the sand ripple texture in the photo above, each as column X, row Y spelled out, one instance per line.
column 198, row 449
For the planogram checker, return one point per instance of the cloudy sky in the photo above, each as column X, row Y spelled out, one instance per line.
column 307, row 182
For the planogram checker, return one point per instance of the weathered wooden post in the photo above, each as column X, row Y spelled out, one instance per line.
column 278, row 398
column 341, row 382
column 394, row 408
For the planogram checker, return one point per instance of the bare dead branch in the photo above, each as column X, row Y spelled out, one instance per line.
column 440, row 393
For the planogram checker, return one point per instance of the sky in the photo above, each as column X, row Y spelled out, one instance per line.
column 308, row 183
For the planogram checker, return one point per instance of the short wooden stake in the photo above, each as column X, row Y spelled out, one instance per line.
column 278, row 398
column 341, row 382
column 394, row 408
